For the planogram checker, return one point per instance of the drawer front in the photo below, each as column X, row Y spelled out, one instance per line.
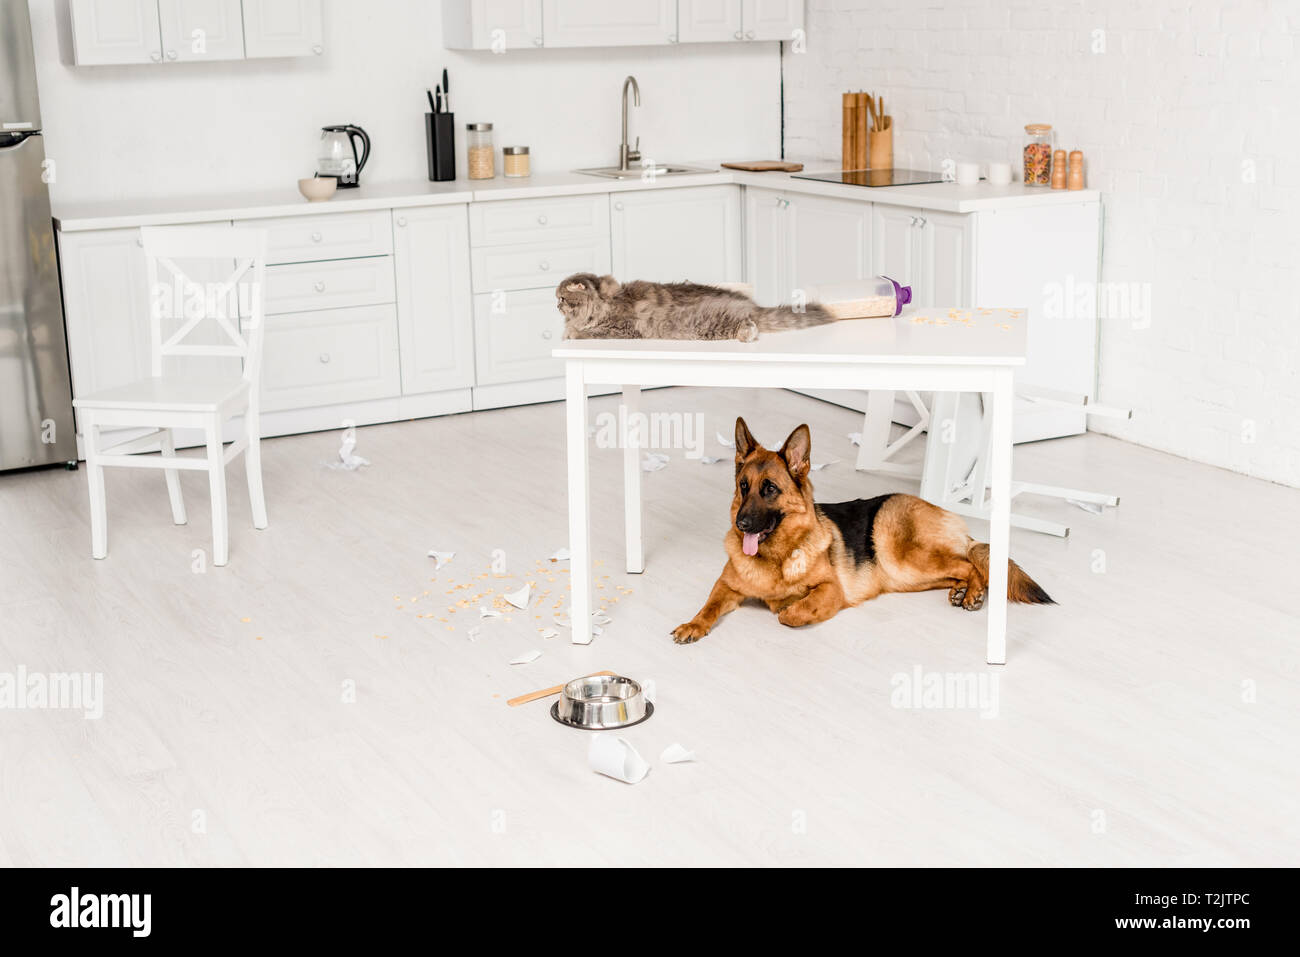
column 324, row 358
column 505, row 222
column 341, row 283
column 297, row 239
column 514, row 334
column 537, row 266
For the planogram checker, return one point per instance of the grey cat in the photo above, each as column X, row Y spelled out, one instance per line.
column 599, row 307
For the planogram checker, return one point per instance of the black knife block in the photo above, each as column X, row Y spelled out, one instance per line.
column 440, row 141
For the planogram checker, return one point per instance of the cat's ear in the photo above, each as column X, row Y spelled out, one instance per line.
column 796, row 451
column 745, row 441
column 608, row 286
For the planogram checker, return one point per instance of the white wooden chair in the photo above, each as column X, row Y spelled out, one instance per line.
column 165, row 403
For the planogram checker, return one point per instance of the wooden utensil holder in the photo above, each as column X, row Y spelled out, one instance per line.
column 880, row 146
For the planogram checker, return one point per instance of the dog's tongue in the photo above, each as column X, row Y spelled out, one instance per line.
column 750, row 543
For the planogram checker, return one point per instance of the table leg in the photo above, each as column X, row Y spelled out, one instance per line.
column 575, row 409
column 999, row 515
column 875, row 429
column 632, row 480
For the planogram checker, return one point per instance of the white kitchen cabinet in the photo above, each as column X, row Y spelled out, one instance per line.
column 201, row 29
column 672, row 235
column 710, row 21
column 771, row 19
column 283, row 28
column 496, row 25
column 514, row 333
column 599, row 23
column 795, row 242
column 115, row 31
column 330, row 357
column 435, row 323
column 926, row 249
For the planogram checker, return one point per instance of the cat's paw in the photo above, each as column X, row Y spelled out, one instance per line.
column 748, row 332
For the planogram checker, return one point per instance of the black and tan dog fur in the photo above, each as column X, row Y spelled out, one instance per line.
column 808, row 561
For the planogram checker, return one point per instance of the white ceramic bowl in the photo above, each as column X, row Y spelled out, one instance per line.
column 317, row 189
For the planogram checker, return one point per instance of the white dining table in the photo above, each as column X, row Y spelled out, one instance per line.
column 937, row 349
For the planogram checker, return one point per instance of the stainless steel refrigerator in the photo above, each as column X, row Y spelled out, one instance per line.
column 36, row 426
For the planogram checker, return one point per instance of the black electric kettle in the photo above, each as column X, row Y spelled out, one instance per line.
column 338, row 154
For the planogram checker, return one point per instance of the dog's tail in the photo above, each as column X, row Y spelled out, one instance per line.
column 1020, row 587
column 781, row 318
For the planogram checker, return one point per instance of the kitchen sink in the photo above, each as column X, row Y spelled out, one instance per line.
column 637, row 172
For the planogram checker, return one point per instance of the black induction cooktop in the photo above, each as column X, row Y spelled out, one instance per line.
column 874, row 177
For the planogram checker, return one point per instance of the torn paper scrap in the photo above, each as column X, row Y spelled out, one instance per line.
column 1092, row 507
column 654, row 461
column 440, row 558
column 560, row 555
column 550, row 633
column 474, row 633
column 818, row 466
column 347, row 460
column 855, row 438
column 596, row 630
column 725, row 442
column 485, row 612
column 648, row 690
column 614, row 757
column 526, row 657
column 709, row 460
column 676, row 754
column 600, row 618
column 519, row 598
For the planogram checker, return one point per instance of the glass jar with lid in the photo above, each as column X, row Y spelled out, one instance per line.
column 480, row 153
column 515, row 161
column 1038, row 154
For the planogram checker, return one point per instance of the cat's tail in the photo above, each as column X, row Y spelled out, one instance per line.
column 782, row 318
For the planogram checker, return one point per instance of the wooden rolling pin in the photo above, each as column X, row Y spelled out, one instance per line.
column 547, row 692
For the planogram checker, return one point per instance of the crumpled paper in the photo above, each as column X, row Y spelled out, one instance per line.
column 614, row 757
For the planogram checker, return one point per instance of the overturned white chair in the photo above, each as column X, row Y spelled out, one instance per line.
column 165, row 403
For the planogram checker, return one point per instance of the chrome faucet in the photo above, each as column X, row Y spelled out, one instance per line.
column 625, row 154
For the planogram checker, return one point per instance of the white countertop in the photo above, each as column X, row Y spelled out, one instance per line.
column 127, row 213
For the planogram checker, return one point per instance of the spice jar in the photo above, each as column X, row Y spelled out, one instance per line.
column 1058, row 169
column 1038, row 154
column 481, row 154
column 515, row 161
column 1076, row 170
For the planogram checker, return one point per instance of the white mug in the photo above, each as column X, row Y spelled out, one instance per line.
column 968, row 174
column 999, row 173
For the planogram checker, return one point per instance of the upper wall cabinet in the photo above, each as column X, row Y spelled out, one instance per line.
column 502, row 25
column 723, row 21
column 174, row 31
column 496, row 25
column 282, row 28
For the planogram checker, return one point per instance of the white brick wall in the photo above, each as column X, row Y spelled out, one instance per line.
column 1190, row 124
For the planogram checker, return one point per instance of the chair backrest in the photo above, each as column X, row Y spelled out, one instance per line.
column 235, row 304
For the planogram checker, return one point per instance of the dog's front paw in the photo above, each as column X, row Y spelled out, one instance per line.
column 689, row 632
column 793, row 617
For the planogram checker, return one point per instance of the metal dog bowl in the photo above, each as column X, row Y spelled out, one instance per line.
column 601, row 703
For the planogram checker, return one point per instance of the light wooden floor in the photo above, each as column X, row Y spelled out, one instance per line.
column 1122, row 736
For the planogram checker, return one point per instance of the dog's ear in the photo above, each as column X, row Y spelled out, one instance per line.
column 608, row 286
column 745, row 441
column 796, row 450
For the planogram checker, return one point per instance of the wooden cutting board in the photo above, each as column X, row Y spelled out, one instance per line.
column 765, row 166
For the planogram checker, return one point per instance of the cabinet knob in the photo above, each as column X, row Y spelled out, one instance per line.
column 913, row 222
column 543, row 266
column 171, row 54
column 537, row 41
column 315, row 237
column 156, row 56
column 139, row 241
column 739, row 36
column 318, row 49
column 320, row 286
column 541, row 220
column 749, row 35
column 618, row 205
column 921, row 221
column 325, row 357
column 672, row 38
column 546, row 333
column 401, row 220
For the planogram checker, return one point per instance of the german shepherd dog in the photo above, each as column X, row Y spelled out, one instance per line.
column 808, row 561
